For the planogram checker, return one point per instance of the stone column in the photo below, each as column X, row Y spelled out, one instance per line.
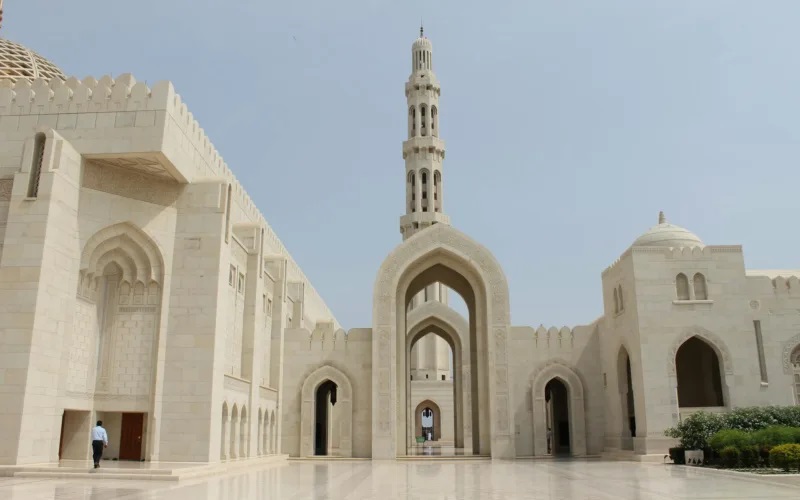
column 192, row 397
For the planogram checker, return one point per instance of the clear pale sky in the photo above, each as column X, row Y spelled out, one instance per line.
column 568, row 125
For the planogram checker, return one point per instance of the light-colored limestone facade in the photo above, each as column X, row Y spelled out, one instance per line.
column 141, row 286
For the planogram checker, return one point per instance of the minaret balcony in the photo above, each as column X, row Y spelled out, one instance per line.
column 423, row 143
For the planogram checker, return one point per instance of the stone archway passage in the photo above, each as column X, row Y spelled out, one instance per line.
column 437, row 419
column 342, row 424
column 699, row 376
column 577, row 412
column 442, row 254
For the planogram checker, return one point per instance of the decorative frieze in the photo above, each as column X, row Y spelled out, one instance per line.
column 129, row 184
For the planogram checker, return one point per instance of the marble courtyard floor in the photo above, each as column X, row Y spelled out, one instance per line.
column 423, row 480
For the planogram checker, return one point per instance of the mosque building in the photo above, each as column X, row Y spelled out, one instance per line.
column 142, row 286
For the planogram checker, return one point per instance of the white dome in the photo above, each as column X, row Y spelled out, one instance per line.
column 668, row 235
column 17, row 62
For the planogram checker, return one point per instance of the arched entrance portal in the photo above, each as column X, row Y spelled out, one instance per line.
column 441, row 254
column 325, row 400
column 428, row 420
column 556, row 399
column 698, row 370
column 627, row 401
column 557, row 393
column 326, row 414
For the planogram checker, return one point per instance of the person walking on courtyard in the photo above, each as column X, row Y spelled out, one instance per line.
column 99, row 441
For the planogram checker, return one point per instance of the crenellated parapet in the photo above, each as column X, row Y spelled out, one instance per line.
column 786, row 285
column 77, row 104
column 677, row 253
column 563, row 337
column 326, row 337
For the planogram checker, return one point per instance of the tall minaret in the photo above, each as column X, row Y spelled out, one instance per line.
column 423, row 153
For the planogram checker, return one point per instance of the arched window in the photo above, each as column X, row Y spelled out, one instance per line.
column 616, row 301
column 412, row 179
column 698, row 370
column 424, row 180
column 422, row 119
column 412, row 121
column 795, row 359
column 434, row 121
column 228, row 215
column 36, row 165
column 621, row 302
column 700, row 290
column 682, row 286
column 437, row 191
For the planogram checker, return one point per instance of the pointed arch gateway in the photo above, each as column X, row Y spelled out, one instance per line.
column 325, row 376
column 566, row 376
column 442, row 254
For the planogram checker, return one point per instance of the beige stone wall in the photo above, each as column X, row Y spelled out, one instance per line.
column 350, row 354
column 532, row 350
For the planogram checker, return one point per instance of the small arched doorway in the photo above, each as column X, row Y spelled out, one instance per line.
column 336, row 420
column 627, row 400
column 698, row 372
column 428, row 420
column 556, row 396
column 324, row 401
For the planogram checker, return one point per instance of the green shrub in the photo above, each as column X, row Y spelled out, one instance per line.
column 729, row 437
column 729, row 456
column 773, row 436
column 695, row 430
column 750, row 456
column 754, row 418
column 678, row 455
column 785, row 456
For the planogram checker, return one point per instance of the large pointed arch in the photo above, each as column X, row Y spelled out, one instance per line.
column 437, row 318
column 344, row 398
column 445, row 253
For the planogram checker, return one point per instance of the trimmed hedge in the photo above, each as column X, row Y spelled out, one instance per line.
column 729, row 456
column 694, row 432
column 785, row 456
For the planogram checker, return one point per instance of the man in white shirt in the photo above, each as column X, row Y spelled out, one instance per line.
column 99, row 441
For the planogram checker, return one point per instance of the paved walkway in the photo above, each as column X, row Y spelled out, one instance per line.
column 422, row 480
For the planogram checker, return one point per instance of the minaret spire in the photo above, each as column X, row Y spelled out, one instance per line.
column 423, row 151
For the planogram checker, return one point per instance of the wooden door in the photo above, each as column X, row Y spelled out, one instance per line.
column 130, row 439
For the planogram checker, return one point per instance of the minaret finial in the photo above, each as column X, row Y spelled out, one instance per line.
column 661, row 218
column 421, row 29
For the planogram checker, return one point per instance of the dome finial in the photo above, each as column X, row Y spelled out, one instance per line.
column 1, row 13
column 661, row 218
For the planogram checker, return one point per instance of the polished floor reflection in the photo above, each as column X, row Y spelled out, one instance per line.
column 422, row 480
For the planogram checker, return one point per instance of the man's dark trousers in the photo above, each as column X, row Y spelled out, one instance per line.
column 97, row 451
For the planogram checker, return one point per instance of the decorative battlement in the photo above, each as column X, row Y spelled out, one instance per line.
column 677, row 253
column 325, row 337
column 790, row 284
column 125, row 94
column 555, row 337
